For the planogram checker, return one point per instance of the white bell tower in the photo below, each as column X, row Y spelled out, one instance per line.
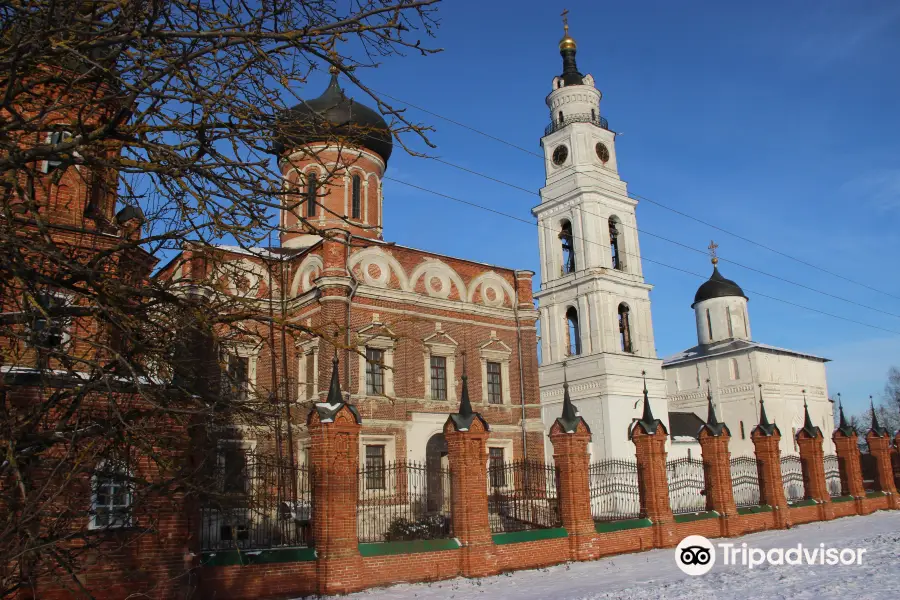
column 594, row 304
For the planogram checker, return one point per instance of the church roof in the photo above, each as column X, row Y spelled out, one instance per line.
column 684, row 424
column 702, row 352
column 333, row 116
column 717, row 287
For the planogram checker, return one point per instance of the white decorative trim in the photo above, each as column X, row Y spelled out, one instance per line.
column 434, row 269
column 385, row 263
column 311, row 267
column 494, row 282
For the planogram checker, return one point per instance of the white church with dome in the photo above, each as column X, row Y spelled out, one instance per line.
column 595, row 311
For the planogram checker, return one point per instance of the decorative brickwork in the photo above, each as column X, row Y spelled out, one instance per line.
column 717, row 475
column 467, row 451
column 335, row 459
column 650, row 451
column 812, row 462
column 771, row 487
column 570, row 454
column 880, row 448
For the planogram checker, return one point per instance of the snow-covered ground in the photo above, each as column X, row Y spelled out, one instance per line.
column 654, row 574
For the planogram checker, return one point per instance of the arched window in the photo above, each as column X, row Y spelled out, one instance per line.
column 560, row 118
column 614, row 249
column 728, row 318
column 709, row 324
column 733, row 371
column 312, row 182
column 573, row 331
column 593, row 116
column 355, row 207
column 743, row 435
column 624, row 328
column 746, row 327
column 568, row 248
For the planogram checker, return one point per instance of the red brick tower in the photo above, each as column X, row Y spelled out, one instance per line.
column 332, row 154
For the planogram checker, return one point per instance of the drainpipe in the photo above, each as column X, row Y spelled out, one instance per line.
column 521, row 373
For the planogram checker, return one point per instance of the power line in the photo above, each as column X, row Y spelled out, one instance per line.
column 651, row 201
column 668, row 266
column 675, row 242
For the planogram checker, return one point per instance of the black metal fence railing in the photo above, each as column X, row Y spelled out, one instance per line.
column 687, row 485
column 832, row 475
column 521, row 496
column 792, row 477
column 258, row 503
column 402, row 501
column 614, row 488
column 745, row 480
column 579, row 118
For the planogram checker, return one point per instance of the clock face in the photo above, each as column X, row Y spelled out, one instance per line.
column 602, row 152
column 560, row 153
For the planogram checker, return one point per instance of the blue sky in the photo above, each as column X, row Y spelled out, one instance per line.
column 775, row 120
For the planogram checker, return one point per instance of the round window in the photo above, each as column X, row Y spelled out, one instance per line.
column 560, row 154
column 602, row 152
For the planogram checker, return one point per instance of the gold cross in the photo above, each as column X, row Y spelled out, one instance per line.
column 565, row 18
column 712, row 251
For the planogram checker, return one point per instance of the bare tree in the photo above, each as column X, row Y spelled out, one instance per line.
column 130, row 131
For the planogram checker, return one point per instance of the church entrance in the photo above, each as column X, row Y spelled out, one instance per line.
column 436, row 466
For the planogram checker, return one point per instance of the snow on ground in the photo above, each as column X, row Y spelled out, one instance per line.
column 654, row 574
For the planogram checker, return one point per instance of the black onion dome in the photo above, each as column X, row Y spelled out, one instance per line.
column 333, row 116
column 717, row 287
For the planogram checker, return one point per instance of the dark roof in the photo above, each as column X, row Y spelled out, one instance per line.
column 705, row 351
column 717, row 287
column 329, row 409
column 808, row 427
column 845, row 429
column 463, row 419
column 766, row 428
column 683, row 424
column 570, row 416
column 332, row 117
column 570, row 74
column 128, row 213
column 648, row 422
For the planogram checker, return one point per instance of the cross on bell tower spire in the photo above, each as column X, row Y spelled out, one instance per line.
column 713, row 246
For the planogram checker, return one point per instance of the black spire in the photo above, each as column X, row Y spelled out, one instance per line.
column 334, row 390
column 810, row 429
column 463, row 419
column 567, row 47
column 764, row 426
column 647, row 422
column 335, row 400
column 570, row 417
column 712, row 423
column 843, row 427
column 878, row 429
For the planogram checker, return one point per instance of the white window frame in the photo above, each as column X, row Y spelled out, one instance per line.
column 129, row 490
column 306, row 352
column 507, row 447
column 377, row 343
column 447, row 351
column 67, row 322
column 494, row 350
column 250, row 352
column 390, row 456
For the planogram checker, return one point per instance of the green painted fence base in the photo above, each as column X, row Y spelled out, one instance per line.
column 410, row 547
column 751, row 510
column 609, row 526
column 799, row 503
column 874, row 494
column 687, row 518
column 229, row 558
column 837, row 499
column 531, row 535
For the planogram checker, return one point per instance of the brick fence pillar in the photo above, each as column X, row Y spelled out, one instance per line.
column 466, row 433
column 717, row 476
column 880, row 448
column 570, row 436
column 649, row 437
column 846, row 446
column 766, row 437
column 812, row 464
column 334, row 456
